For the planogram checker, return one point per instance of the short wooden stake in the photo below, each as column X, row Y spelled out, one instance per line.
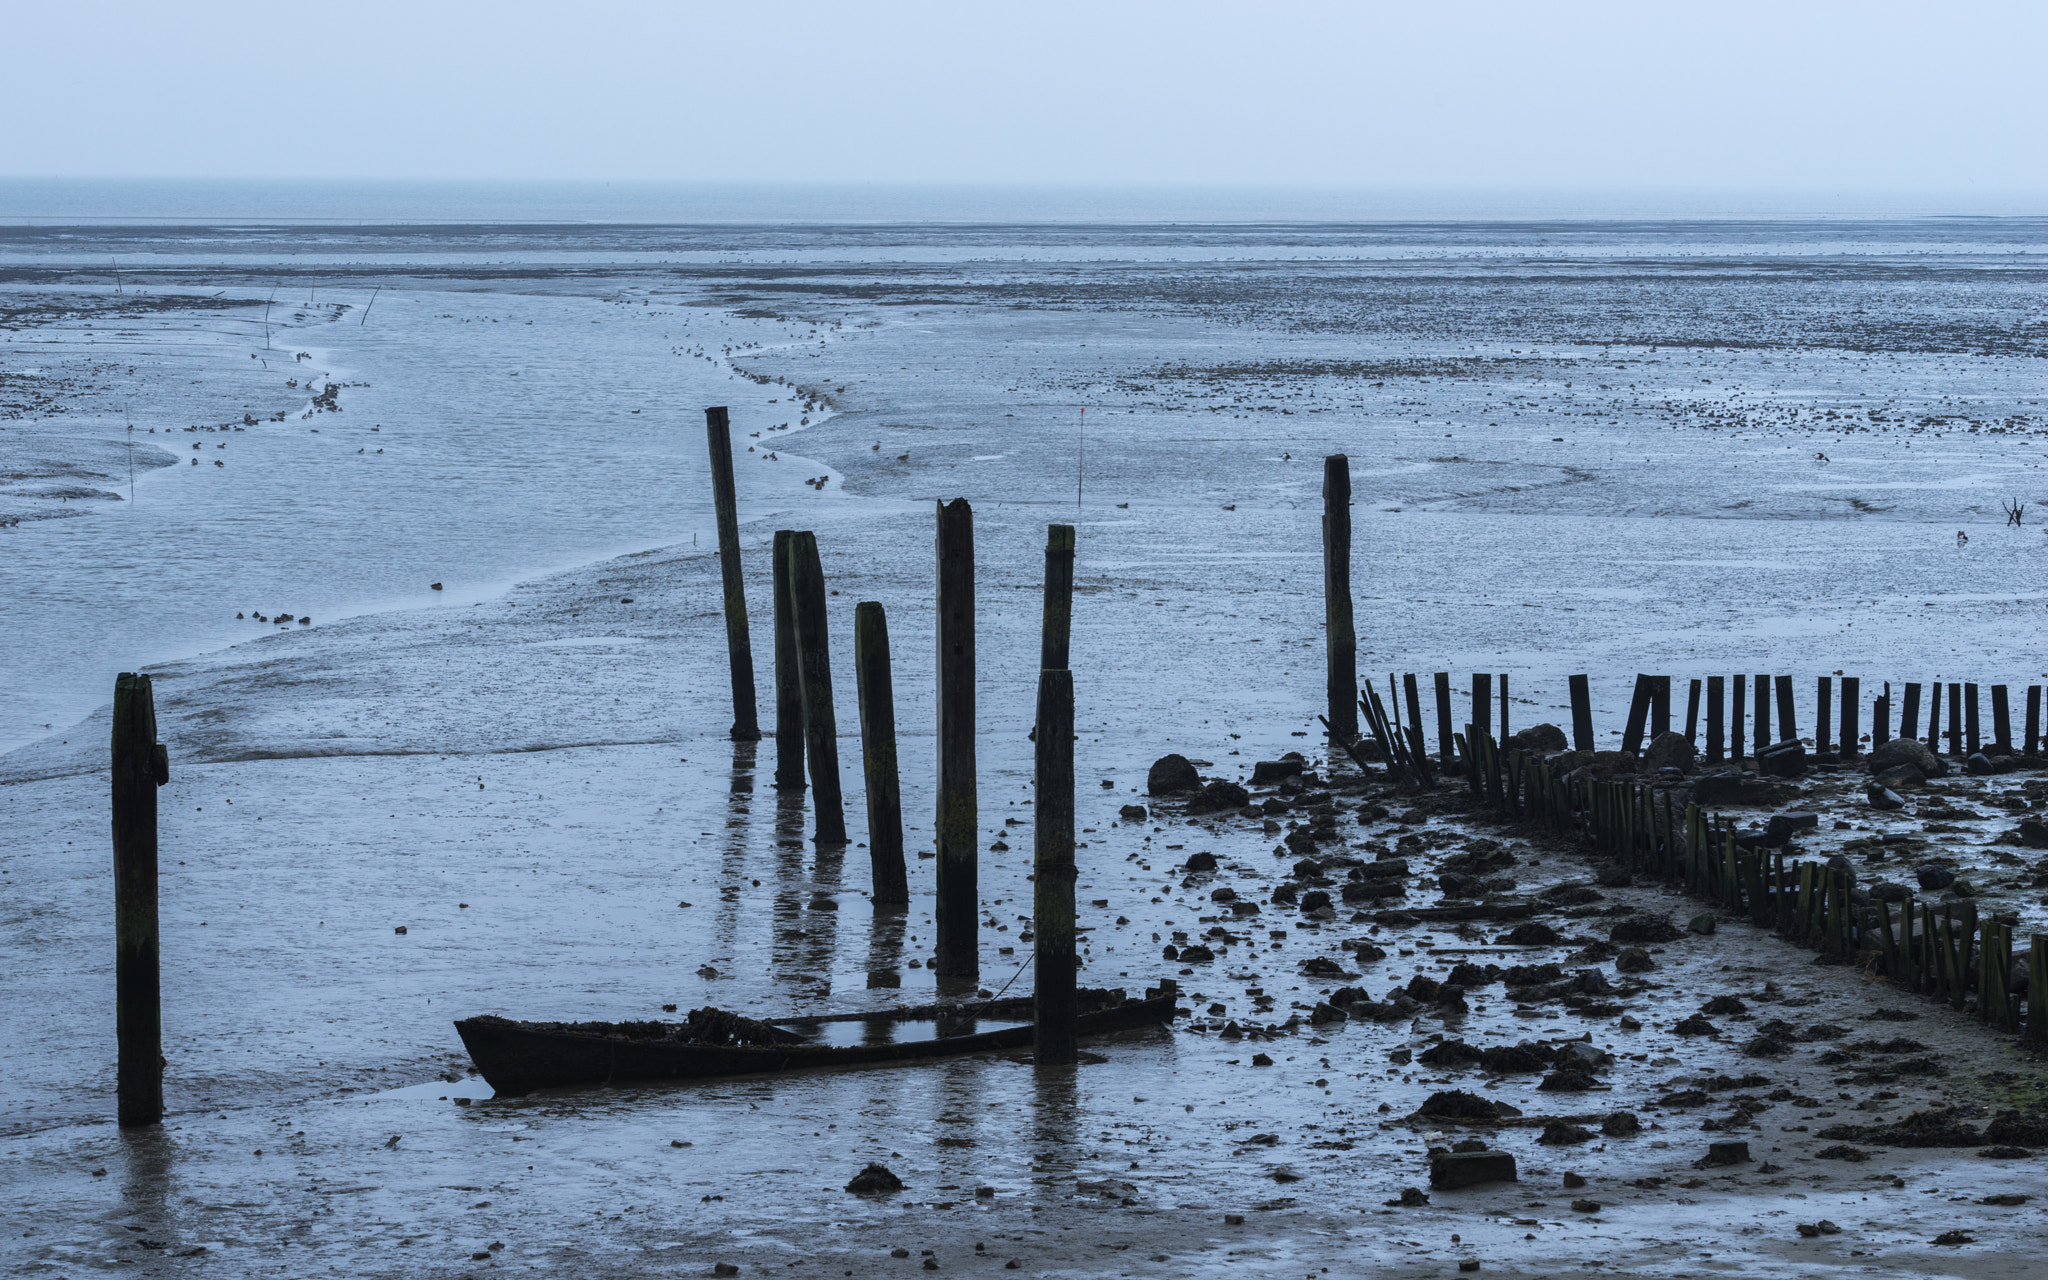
column 1056, row 1005
column 739, row 647
column 2033, row 719
column 1761, row 727
column 1582, row 716
column 140, row 766
column 789, row 680
column 821, row 725
column 1638, row 712
column 1340, row 635
column 1881, row 718
column 876, row 689
column 957, row 910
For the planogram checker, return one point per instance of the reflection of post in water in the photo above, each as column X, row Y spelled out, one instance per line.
column 821, row 915
column 962, row 993
column 146, row 1180
column 1055, row 1120
column 732, row 861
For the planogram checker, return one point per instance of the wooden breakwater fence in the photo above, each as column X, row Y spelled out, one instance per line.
column 1942, row 950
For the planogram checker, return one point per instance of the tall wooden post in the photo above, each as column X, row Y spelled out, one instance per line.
column 2033, row 718
column 1052, row 920
column 1446, row 742
column 1737, row 686
column 140, row 767
column 821, row 726
column 1852, row 716
column 1909, row 719
column 1955, row 719
column 1482, row 703
column 1972, row 739
column 1692, row 715
column 1057, row 627
column 1660, row 706
column 1638, row 712
column 1582, row 716
column 956, row 915
column 739, row 648
column 1788, row 723
column 1717, row 695
column 1504, row 731
column 877, row 694
column 1340, row 636
column 1418, row 741
column 1824, row 706
column 1762, row 728
column 1934, row 716
column 1881, row 718
column 2001, row 718
column 789, row 682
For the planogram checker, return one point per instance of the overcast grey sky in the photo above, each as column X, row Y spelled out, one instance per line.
column 1880, row 93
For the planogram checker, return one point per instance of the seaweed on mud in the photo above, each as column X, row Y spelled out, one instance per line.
column 1934, row 1127
column 1456, row 1104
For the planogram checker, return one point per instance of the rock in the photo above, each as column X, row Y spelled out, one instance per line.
column 1261, row 1060
column 1468, row 1168
column 1954, row 1238
column 1909, row 751
column 1315, row 900
column 1781, row 826
column 1218, row 796
column 1543, row 738
column 1562, row 1133
column 1568, row 1081
column 1722, row 1154
column 1900, row 777
column 1614, row 875
column 1934, row 875
column 2033, row 833
column 1268, row 773
column 874, row 1180
column 1456, row 1104
column 1633, row 960
column 1669, row 750
column 1889, row 891
column 1644, row 929
column 1695, row 1026
column 1782, row 760
column 717, row 1268
column 1879, row 796
column 1979, row 765
column 1172, row 775
column 1133, row 813
column 1702, row 923
column 1585, row 1206
column 1732, row 788
column 1621, row 1124
column 1531, row 933
column 1612, row 762
column 1196, row 954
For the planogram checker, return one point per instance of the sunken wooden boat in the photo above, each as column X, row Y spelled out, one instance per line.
column 519, row 1057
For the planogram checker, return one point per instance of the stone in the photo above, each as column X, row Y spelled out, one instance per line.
column 1456, row 1104
column 1621, row 1124
column 1585, row 1206
column 1133, row 813
column 1648, row 930
column 1544, row 738
column 1934, row 875
column 1200, row 862
column 1633, row 960
column 1469, row 1168
column 1879, row 796
column 1979, row 765
column 874, row 1180
column 1531, row 933
column 1613, row 762
column 1267, row 773
column 2033, row 833
column 1890, row 891
column 1722, row 1154
column 1172, row 775
column 1669, row 750
column 1785, row 759
column 1701, row 923
column 1563, row 1133
column 1218, row 796
column 1901, row 777
column 1909, row 751
column 1781, row 826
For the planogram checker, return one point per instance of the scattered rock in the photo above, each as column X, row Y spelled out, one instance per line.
column 1813, row 1229
column 2033, row 833
column 1196, row 954
column 1468, row 1168
column 1669, row 750
column 1879, row 796
column 873, row 1180
column 1268, row 773
column 1172, row 775
column 1411, row 1198
column 1722, row 1154
column 1543, row 738
column 1621, row 1124
column 1567, row 1080
column 1531, row 933
column 1782, row 760
column 1133, row 813
column 1585, row 1206
column 1456, row 1104
column 1633, row 960
column 1907, row 751
column 1842, row 1151
column 1646, row 930
column 1934, row 875
column 1980, row 766
column 1561, row 1133
column 1200, row 862
column 1955, row 1237
column 1702, row 923
column 1218, row 796
column 2006, row 1200
column 1695, row 1026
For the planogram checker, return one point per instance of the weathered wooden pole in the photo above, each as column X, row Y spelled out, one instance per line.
column 1340, row 635
column 1057, row 629
column 1660, row 706
column 2033, row 718
column 821, row 726
column 1716, row 711
column 1504, row 732
column 789, row 682
column 1446, row 740
column 1638, row 713
column 1972, row 738
column 1852, row 716
column 1824, row 708
column 1934, row 716
column 1762, row 726
column 1881, row 718
column 1736, row 690
column 739, row 648
column 877, row 695
column 1909, row 718
column 956, row 914
column 1692, row 715
column 1955, row 718
column 1482, row 702
column 1417, row 740
column 2001, row 718
column 1052, row 921
column 1582, row 716
column 140, row 767
column 1788, row 723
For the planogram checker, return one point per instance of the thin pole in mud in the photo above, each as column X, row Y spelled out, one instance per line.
column 877, row 696
column 266, row 316
column 1080, row 456
column 1582, row 715
column 739, row 647
column 117, row 273
column 1446, row 742
column 1716, row 709
column 1057, row 628
column 956, row 913
column 789, row 687
column 140, row 766
column 367, row 305
column 1340, row 634
column 1054, row 1030
column 821, row 727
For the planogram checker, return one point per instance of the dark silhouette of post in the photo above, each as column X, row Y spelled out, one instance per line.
column 1503, row 708
column 1762, row 726
column 1482, row 703
column 1934, row 716
column 1736, row 694
column 1717, row 695
column 739, row 648
column 1692, row 715
column 958, row 902
column 814, row 660
column 140, row 766
column 1909, row 718
column 1660, row 706
column 1052, row 920
column 1852, row 716
column 1059, row 598
column 878, row 753
column 789, row 683
column 1446, row 743
column 2001, row 718
column 1788, row 721
column 1582, row 715
column 1340, row 635
column 1824, row 707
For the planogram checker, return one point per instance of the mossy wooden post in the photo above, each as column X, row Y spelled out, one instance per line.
column 1446, row 737
column 789, row 682
column 1692, row 716
column 1582, row 715
column 877, row 693
column 956, row 914
column 1823, row 713
column 1056, row 631
column 821, row 726
column 1717, row 694
column 1972, row 739
column 1760, row 727
column 1052, row 919
column 1788, row 723
column 2001, row 718
column 1340, row 635
column 1966, row 943
column 140, row 766
column 739, row 648
column 1852, row 716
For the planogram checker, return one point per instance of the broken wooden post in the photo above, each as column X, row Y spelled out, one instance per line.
column 1692, row 716
column 1056, row 629
column 739, row 647
column 1852, row 733
column 789, row 683
column 1582, row 716
column 1417, row 740
column 821, row 726
column 1881, row 718
column 1716, row 710
column 1482, row 702
column 1052, row 920
column 1340, row 635
column 140, row 766
column 876, row 691
column 956, row 911
column 2033, row 718
column 1788, row 723
column 1638, row 711
column 1909, row 717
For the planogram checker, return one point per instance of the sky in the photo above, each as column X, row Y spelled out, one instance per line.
column 1877, row 94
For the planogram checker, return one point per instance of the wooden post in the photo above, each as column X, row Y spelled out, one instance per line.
column 1446, row 746
column 1417, row 741
column 2033, row 718
column 1762, row 726
column 1909, row 719
column 1971, row 738
column 1823, row 714
column 1504, row 709
column 876, row 690
column 2037, row 990
column 2001, row 719
column 1716, row 709
column 1660, row 706
column 1955, row 719
column 1692, row 715
column 1052, row 922
column 1736, row 703
column 789, row 681
column 1881, row 718
column 1788, row 723
column 140, row 766
column 1482, row 702
column 1852, row 732
column 1582, row 716
column 821, row 726
column 1638, row 711
column 957, row 910
column 1057, row 629
column 739, row 648
column 1340, row 636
